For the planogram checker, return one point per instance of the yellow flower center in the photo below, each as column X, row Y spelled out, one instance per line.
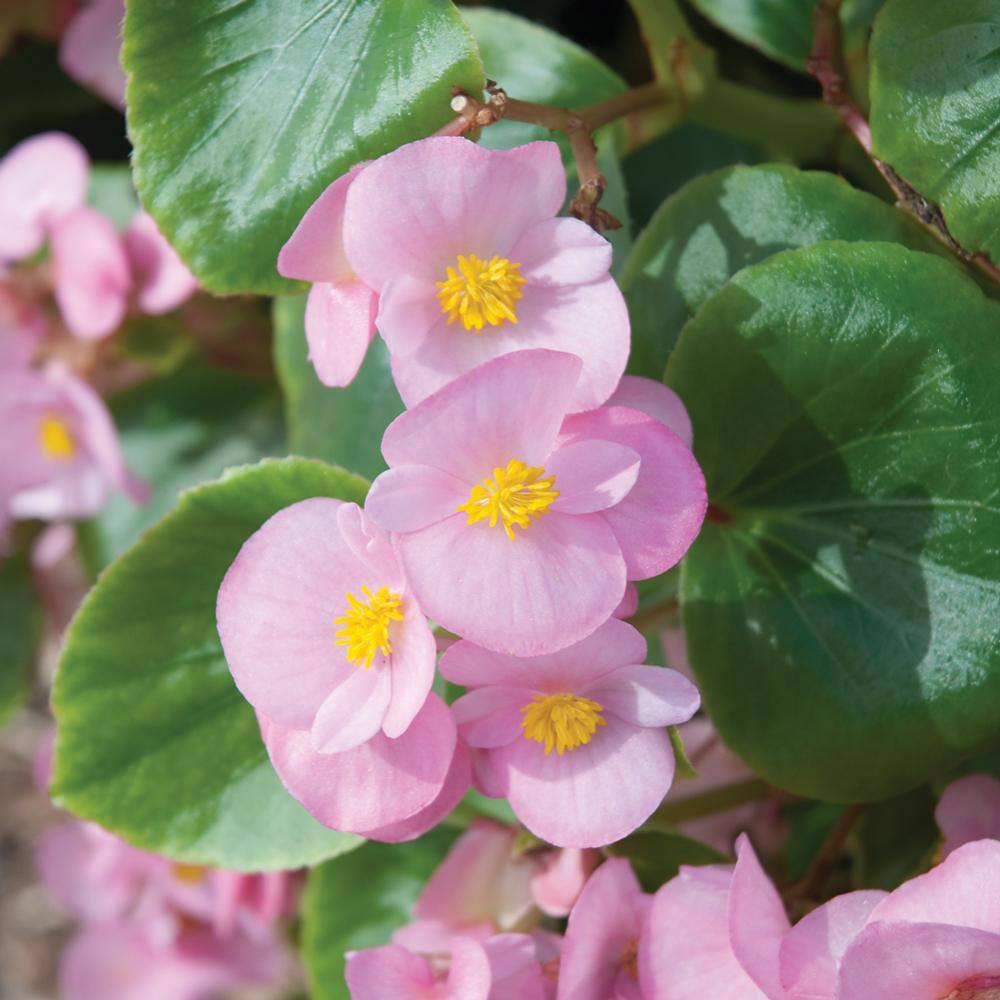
column 191, row 874
column 56, row 439
column 366, row 624
column 479, row 292
column 513, row 495
column 563, row 721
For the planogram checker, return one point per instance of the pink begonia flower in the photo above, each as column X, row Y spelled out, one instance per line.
column 89, row 51
column 969, row 809
column 936, row 937
column 564, row 873
column 59, row 452
column 385, row 789
column 600, row 953
column 42, row 179
column 503, row 967
column 22, row 327
column 575, row 740
column 321, row 631
column 90, row 272
column 656, row 400
column 162, row 281
column 463, row 249
column 517, row 526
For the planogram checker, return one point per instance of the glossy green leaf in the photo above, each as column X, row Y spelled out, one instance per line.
column 656, row 856
column 177, row 431
column 343, row 426
column 242, row 113
column 935, row 108
column 359, row 901
column 154, row 740
column 19, row 624
column 727, row 220
column 841, row 603
column 112, row 194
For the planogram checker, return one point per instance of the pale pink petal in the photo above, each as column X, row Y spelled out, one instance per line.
column 379, row 783
column 558, row 884
column 589, row 321
column 353, row 711
column 414, row 654
column 90, row 272
column 162, row 280
column 514, row 970
column 757, row 921
column 685, row 953
column 964, row 890
column 388, row 973
column 592, row 795
column 592, row 475
column 315, row 251
column 340, row 324
column 920, row 961
column 646, row 696
column 90, row 47
column 370, row 545
column 968, row 810
column 414, row 210
column 408, row 309
column 511, row 408
column 548, row 587
column 810, row 953
column 41, row 180
column 629, row 603
column 603, row 928
column 23, row 325
column 469, row 977
column 411, row 497
column 491, row 716
column 654, row 399
column 562, row 251
column 488, row 773
column 662, row 514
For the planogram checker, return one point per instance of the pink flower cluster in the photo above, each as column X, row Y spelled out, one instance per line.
column 528, row 484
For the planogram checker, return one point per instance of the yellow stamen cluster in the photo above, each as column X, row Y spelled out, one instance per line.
column 513, row 495
column 481, row 292
column 56, row 438
column 191, row 874
column 561, row 721
column 366, row 624
column 630, row 958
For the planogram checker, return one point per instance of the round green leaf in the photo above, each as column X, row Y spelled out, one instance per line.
column 657, row 855
column 242, row 113
column 343, row 426
column 841, row 603
column 935, row 109
column 19, row 627
column 358, row 902
column 154, row 740
column 727, row 220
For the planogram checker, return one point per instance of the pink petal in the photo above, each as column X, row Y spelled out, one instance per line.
column 918, row 961
column 411, row 497
column 90, row 47
column 603, row 926
column 380, row 783
column 370, row 545
column 449, row 197
column 810, row 954
column 489, row 773
column 629, row 603
column 414, row 654
column 469, row 977
column 41, row 179
column 662, row 515
column 353, row 711
column 562, row 251
column 550, row 586
column 592, row 795
column 408, row 310
column 655, row 400
column 510, row 408
column 491, row 716
column 388, row 973
column 557, row 886
column 589, row 321
column 162, row 279
column 968, row 810
column 514, row 968
column 592, row 475
column 646, row 696
column 90, row 272
column 340, row 324
column 315, row 251
column 757, row 921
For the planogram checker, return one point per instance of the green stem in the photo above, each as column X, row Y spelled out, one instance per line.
column 717, row 800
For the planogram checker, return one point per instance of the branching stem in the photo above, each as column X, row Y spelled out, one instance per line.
column 812, row 883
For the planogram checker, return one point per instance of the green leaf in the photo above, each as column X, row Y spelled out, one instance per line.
column 112, row 194
column 154, row 740
column 176, row 431
column 935, row 107
column 726, row 220
column 358, row 901
column 841, row 601
column 895, row 840
column 657, row 855
column 343, row 426
column 535, row 64
column 242, row 113
column 19, row 628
